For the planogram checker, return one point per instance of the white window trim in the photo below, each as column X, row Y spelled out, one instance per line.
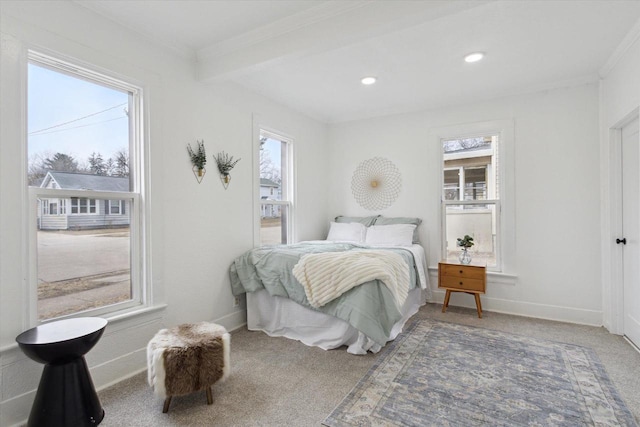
column 141, row 293
column 97, row 205
column 506, row 133
column 259, row 129
column 109, row 204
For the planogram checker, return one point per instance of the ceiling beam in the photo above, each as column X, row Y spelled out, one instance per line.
column 328, row 26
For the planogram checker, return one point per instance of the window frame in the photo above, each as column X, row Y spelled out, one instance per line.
column 110, row 205
column 288, row 195
column 138, row 214
column 505, row 209
column 91, row 202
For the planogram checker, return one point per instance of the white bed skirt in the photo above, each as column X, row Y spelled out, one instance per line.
column 282, row 317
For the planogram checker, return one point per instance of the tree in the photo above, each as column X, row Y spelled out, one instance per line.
column 465, row 144
column 61, row 162
column 41, row 163
column 268, row 169
column 110, row 167
column 97, row 164
column 121, row 167
column 36, row 171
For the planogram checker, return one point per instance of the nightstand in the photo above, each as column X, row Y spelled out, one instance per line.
column 470, row 279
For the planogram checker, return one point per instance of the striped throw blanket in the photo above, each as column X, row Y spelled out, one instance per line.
column 326, row 276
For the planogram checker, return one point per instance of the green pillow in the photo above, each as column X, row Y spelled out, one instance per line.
column 366, row 220
column 401, row 220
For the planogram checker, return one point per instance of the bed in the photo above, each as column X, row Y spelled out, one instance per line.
column 389, row 268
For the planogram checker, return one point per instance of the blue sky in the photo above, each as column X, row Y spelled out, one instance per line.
column 55, row 98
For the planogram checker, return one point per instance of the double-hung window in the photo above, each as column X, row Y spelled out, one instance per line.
column 85, row 190
column 275, row 188
column 471, row 196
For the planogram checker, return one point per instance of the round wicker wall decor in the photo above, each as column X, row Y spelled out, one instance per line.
column 376, row 183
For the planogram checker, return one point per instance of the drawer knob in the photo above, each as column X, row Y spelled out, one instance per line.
column 460, row 271
column 460, row 283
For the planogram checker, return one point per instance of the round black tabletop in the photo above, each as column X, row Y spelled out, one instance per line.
column 61, row 340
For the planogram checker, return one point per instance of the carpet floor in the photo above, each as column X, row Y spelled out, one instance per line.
column 281, row 382
column 445, row 374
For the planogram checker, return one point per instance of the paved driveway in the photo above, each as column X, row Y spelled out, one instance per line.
column 64, row 255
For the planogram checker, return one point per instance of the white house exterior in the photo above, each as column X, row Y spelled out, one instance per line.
column 76, row 213
column 270, row 190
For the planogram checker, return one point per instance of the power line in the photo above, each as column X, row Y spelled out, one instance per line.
column 81, row 126
column 80, row 118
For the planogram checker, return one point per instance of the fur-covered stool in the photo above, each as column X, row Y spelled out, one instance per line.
column 187, row 358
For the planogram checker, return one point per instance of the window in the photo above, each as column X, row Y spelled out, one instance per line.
column 276, row 189
column 50, row 207
column 116, row 207
column 84, row 144
column 83, row 206
column 471, row 197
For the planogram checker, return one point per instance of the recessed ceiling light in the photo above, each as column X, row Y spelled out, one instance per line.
column 474, row 57
column 368, row 80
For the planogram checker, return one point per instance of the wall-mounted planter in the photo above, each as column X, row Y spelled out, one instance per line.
column 225, row 164
column 199, row 173
column 198, row 160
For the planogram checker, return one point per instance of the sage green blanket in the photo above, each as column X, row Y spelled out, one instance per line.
column 370, row 307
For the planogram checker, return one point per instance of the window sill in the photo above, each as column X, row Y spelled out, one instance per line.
column 124, row 319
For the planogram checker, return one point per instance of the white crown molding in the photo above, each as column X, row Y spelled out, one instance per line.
column 620, row 51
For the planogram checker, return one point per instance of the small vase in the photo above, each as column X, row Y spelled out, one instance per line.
column 465, row 256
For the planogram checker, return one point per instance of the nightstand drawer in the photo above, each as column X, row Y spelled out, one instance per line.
column 467, row 271
column 462, row 283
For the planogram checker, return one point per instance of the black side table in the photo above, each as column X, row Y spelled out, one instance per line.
column 66, row 396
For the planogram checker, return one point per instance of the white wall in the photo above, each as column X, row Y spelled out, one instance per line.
column 557, row 207
column 195, row 230
column 619, row 102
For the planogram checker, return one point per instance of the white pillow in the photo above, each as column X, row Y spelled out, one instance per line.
column 347, row 232
column 390, row 235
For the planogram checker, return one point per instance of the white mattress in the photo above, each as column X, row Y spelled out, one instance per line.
column 281, row 317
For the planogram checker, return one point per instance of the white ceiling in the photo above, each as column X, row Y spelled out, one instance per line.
column 311, row 54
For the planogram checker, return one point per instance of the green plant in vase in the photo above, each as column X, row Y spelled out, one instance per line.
column 465, row 243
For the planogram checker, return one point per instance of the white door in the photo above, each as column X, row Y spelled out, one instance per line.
column 631, row 230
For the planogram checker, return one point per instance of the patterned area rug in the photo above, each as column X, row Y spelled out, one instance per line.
column 443, row 374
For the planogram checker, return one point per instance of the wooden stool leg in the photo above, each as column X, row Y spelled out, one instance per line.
column 478, row 305
column 167, row 402
column 209, row 396
column 446, row 301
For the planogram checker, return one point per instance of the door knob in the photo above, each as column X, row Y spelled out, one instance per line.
column 623, row 241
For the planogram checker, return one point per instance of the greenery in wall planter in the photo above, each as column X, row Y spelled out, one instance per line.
column 198, row 160
column 225, row 164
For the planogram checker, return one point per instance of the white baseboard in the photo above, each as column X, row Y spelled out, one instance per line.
column 528, row 309
column 233, row 321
